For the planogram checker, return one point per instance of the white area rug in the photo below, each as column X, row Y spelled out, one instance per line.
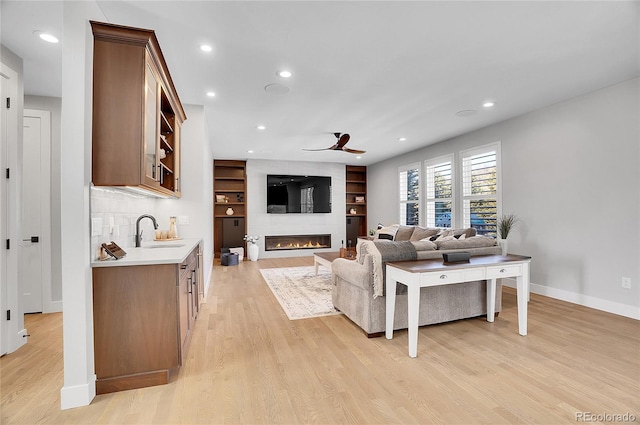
column 300, row 292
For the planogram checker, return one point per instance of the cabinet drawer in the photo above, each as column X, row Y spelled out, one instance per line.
column 442, row 278
column 504, row 271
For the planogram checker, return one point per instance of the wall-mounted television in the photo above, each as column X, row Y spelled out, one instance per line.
column 288, row 194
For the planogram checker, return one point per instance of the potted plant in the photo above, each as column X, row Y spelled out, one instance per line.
column 506, row 222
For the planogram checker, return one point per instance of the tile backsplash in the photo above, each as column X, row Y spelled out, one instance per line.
column 122, row 209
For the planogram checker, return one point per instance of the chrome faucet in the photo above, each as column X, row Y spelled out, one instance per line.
column 139, row 232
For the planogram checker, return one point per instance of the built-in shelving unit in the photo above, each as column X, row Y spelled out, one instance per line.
column 229, row 208
column 356, row 202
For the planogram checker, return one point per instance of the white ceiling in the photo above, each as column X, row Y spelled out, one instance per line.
column 378, row 70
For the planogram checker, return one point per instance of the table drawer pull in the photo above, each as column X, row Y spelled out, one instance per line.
column 505, row 271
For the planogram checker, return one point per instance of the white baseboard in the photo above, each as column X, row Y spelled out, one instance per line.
column 53, row 307
column 580, row 299
column 207, row 280
column 77, row 395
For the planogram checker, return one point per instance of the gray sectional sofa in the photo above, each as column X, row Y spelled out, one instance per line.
column 360, row 296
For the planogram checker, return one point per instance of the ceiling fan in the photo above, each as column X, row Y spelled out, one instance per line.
column 339, row 146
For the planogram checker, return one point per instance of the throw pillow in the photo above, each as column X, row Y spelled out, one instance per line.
column 385, row 236
column 387, row 230
column 404, row 233
column 420, row 233
column 469, row 232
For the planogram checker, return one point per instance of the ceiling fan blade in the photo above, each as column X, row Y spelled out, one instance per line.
column 356, row 151
column 315, row 150
column 343, row 140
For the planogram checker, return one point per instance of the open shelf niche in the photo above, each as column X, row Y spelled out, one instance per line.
column 229, row 204
column 356, row 202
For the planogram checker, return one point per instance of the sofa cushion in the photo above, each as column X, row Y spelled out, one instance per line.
column 472, row 242
column 404, row 233
column 424, row 245
column 420, row 233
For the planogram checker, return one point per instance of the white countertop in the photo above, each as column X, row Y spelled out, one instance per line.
column 170, row 252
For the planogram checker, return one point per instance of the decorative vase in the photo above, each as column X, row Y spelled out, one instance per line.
column 503, row 245
column 253, row 252
column 229, row 211
column 173, row 231
column 352, row 211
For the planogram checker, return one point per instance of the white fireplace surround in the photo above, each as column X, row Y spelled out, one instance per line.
column 259, row 222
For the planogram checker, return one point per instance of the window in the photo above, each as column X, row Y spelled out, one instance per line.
column 480, row 188
column 306, row 199
column 439, row 192
column 409, row 177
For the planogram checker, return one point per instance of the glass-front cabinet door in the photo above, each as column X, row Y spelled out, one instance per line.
column 152, row 85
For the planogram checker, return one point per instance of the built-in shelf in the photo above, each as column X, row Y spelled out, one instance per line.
column 229, row 181
column 356, row 186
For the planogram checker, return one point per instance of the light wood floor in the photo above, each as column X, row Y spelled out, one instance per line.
column 247, row 363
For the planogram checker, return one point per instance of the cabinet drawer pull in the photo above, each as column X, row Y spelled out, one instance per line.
column 183, row 266
column 443, row 276
column 502, row 270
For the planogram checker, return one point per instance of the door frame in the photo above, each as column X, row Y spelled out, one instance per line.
column 45, row 212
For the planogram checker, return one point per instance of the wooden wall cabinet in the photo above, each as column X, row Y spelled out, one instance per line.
column 230, row 190
column 356, row 202
column 143, row 318
column 137, row 114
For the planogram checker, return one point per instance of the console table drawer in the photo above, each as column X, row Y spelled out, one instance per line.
column 471, row 275
column 504, row 271
column 442, row 278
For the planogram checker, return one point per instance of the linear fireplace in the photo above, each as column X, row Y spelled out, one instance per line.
column 288, row 242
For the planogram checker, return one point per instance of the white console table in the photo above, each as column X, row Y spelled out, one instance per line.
column 422, row 273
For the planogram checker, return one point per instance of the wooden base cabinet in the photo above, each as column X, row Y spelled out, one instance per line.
column 143, row 317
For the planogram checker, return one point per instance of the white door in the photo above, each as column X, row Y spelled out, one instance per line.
column 4, row 201
column 35, row 211
column 8, row 259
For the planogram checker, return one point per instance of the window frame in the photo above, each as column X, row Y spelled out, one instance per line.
column 403, row 203
column 434, row 162
column 479, row 150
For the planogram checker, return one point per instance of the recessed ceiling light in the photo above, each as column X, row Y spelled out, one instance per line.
column 249, row 151
column 49, row 38
column 206, row 48
column 261, row 127
column 466, row 113
column 402, row 139
column 211, row 94
column 275, row 88
column 489, row 104
column 284, row 74
column 358, row 157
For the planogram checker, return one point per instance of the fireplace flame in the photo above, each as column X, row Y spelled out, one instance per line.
column 297, row 244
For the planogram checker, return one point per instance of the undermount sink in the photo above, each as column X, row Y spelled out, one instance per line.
column 169, row 245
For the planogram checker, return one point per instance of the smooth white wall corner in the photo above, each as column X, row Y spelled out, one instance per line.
column 77, row 66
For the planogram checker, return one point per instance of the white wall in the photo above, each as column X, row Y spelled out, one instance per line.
column 196, row 172
column 571, row 173
column 53, row 105
column 75, row 177
column 261, row 223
